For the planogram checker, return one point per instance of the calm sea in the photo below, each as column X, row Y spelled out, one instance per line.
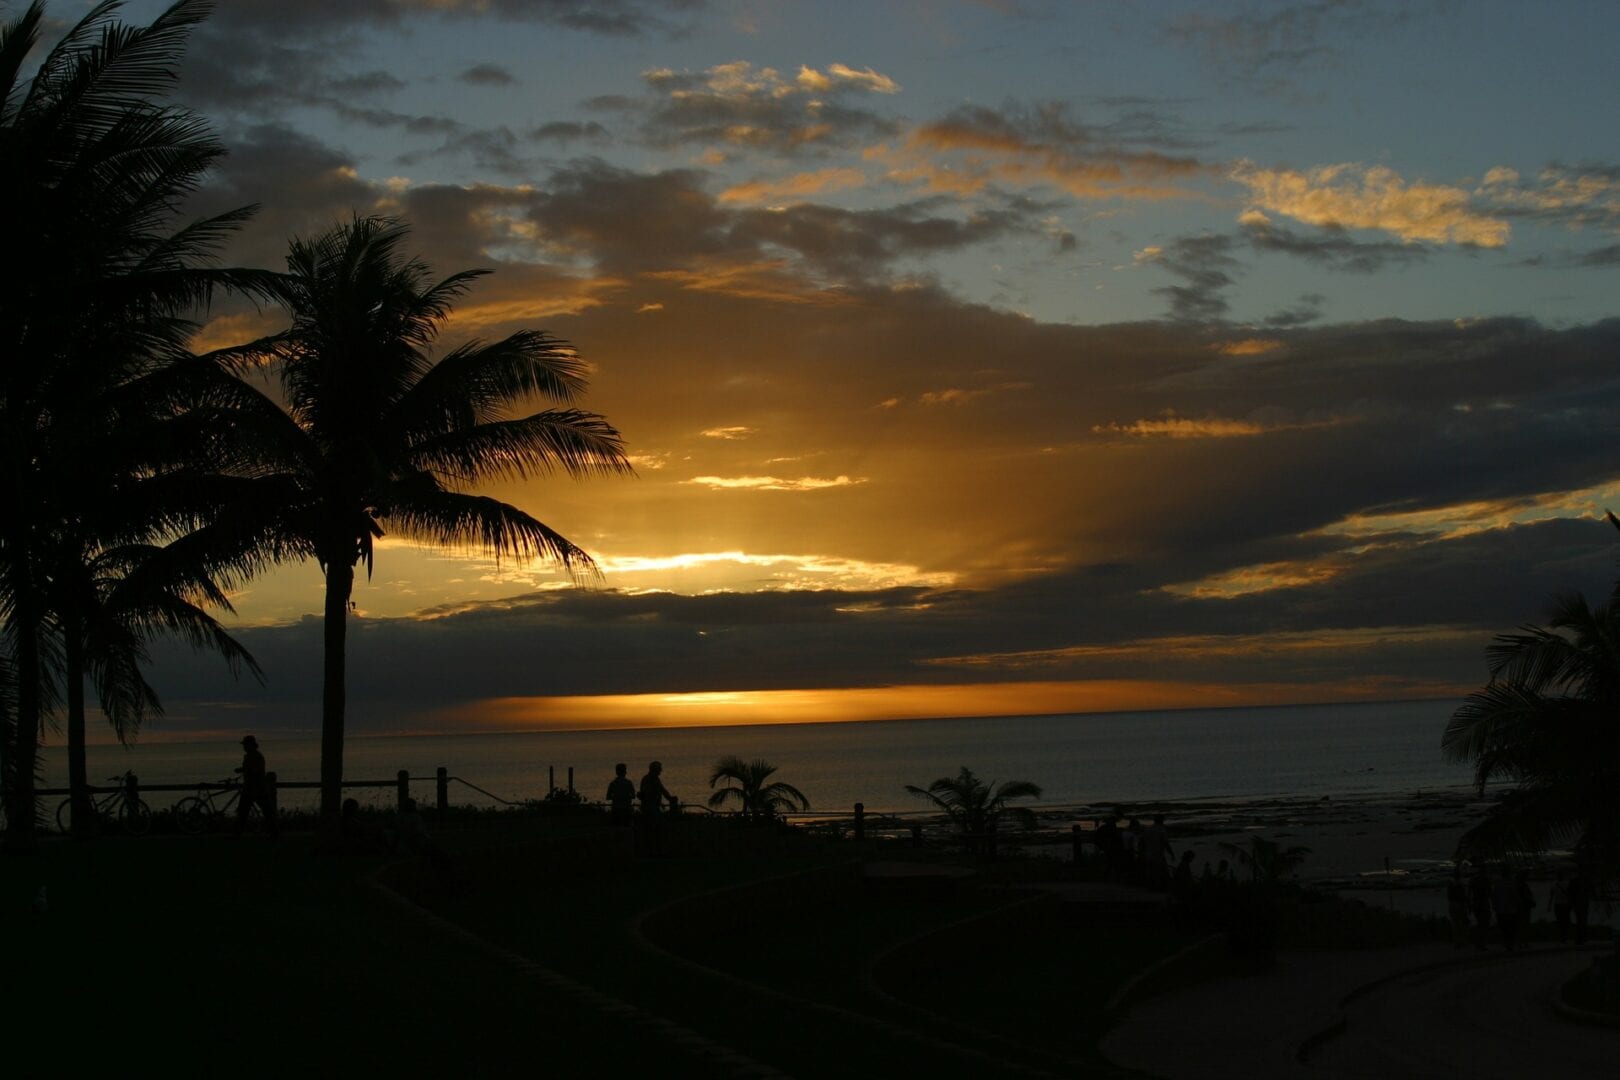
column 1084, row 758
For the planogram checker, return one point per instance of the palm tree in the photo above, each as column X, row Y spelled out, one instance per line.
column 94, row 173
column 1546, row 723
column 974, row 806
column 751, row 786
column 1269, row 863
column 373, row 430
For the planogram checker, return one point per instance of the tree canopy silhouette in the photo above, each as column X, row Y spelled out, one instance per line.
column 752, row 788
column 976, row 807
column 94, row 330
column 372, row 430
column 1546, row 723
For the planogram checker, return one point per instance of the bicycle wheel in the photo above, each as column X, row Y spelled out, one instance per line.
column 136, row 817
column 192, row 816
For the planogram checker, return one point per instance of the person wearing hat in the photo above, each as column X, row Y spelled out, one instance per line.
column 255, row 788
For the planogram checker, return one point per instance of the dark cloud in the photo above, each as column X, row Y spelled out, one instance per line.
column 1270, row 47
column 566, row 131
column 744, row 109
column 487, row 74
column 1600, row 257
column 1331, row 246
column 1306, row 309
column 1205, row 265
column 625, row 220
column 495, row 150
column 1409, row 611
column 303, row 17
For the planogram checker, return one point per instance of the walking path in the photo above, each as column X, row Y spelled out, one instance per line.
column 1412, row 1012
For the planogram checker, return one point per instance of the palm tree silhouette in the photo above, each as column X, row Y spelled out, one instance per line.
column 1546, row 723
column 1268, row 863
column 974, row 806
column 374, row 430
column 94, row 172
column 753, row 789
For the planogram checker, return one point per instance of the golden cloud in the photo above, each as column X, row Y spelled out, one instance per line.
column 962, row 159
column 794, row 187
column 1176, row 427
column 1353, row 196
column 1247, row 347
column 773, row 483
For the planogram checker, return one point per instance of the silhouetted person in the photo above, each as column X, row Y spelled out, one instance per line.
column 1155, row 850
column 1526, row 900
column 354, row 834
column 1111, row 846
column 621, row 796
column 1457, row 906
column 1183, row 886
column 1131, row 844
column 1479, row 900
column 1580, row 896
column 1559, row 899
column 1505, row 906
column 653, row 794
column 255, row 788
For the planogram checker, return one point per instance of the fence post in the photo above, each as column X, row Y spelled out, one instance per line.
column 442, row 800
column 1079, row 842
column 570, row 779
column 551, row 779
column 404, row 789
column 860, row 822
column 270, row 792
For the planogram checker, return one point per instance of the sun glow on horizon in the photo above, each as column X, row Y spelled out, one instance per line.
column 732, row 708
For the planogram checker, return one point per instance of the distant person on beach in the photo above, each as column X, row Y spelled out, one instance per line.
column 1580, row 897
column 1526, row 900
column 1156, row 851
column 1559, row 899
column 1479, row 899
column 1131, row 845
column 1109, row 845
column 1505, row 906
column 1457, row 907
column 255, row 787
column 621, row 796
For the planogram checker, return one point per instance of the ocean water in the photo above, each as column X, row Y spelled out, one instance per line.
column 1095, row 758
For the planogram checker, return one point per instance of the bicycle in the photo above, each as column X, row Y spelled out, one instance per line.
column 195, row 813
column 131, row 811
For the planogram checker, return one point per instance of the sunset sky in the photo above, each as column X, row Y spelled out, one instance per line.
column 974, row 358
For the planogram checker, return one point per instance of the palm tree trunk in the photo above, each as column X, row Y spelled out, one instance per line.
column 78, row 773
column 339, row 584
column 23, row 745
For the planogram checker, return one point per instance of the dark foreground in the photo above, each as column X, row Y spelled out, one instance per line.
column 538, row 943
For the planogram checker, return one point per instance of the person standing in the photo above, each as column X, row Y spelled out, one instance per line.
column 1156, row 853
column 653, row 794
column 255, row 788
column 621, row 796
column 1479, row 899
column 1580, row 896
column 1559, row 899
column 1505, row 906
column 1457, row 907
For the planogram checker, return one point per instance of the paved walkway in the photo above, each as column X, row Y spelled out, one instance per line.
column 1415, row 1012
